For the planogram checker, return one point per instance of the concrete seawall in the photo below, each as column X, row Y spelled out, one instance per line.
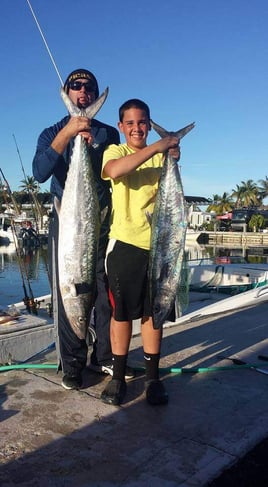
column 251, row 239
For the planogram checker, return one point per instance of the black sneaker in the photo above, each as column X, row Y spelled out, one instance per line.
column 72, row 381
column 114, row 392
column 108, row 369
column 156, row 393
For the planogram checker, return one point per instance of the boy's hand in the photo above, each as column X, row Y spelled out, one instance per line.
column 167, row 143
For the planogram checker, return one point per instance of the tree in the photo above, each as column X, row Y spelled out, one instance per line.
column 247, row 194
column 29, row 185
column 264, row 187
column 256, row 222
column 221, row 204
column 238, row 195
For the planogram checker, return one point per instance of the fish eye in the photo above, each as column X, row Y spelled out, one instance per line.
column 156, row 308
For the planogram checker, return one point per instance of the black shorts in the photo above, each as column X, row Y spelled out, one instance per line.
column 127, row 270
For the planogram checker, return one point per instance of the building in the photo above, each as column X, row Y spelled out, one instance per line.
column 196, row 217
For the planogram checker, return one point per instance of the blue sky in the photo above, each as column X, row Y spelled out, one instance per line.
column 199, row 60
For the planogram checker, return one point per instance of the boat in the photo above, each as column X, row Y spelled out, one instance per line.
column 7, row 232
column 230, row 278
column 192, row 235
column 24, row 334
column 215, row 304
column 20, row 231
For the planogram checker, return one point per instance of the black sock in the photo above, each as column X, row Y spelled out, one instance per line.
column 119, row 366
column 151, row 366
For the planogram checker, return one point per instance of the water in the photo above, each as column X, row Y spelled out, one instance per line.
column 226, row 255
column 30, row 269
column 33, row 266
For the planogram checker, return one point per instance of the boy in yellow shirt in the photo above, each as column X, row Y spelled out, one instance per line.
column 134, row 169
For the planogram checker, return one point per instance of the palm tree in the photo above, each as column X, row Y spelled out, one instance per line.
column 238, row 195
column 216, row 198
column 263, row 187
column 256, row 222
column 247, row 194
column 221, row 204
column 29, row 185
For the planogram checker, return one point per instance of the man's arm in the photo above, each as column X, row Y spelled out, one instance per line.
column 46, row 158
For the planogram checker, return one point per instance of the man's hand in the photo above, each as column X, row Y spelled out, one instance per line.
column 78, row 125
column 175, row 152
column 75, row 126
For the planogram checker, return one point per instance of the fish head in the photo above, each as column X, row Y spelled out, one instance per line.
column 78, row 311
column 161, row 309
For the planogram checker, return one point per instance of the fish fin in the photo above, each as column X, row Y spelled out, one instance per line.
column 159, row 130
column 149, row 217
column 73, row 290
column 104, row 212
column 179, row 133
column 182, row 298
column 182, row 132
column 82, row 288
column 92, row 333
column 88, row 112
column 71, row 107
column 91, row 111
column 57, row 204
column 164, row 272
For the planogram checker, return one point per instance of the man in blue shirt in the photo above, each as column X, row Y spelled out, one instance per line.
column 52, row 158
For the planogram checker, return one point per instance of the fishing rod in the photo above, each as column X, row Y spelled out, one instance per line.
column 29, row 301
column 45, row 42
column 8, row 190
column 35, row 205
column 22, row 167
column 26, row 298
column 48, row 50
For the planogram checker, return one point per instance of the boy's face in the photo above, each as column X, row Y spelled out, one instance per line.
column 135, row 127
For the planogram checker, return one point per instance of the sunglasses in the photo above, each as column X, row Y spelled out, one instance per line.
column 77, row 85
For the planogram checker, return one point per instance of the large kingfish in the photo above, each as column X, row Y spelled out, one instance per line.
column 79, row 226
column 169, row 223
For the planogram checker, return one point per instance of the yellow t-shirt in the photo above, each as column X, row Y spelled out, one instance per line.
column 133, row 196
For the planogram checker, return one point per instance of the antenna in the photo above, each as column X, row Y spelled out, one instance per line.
column 45, row 42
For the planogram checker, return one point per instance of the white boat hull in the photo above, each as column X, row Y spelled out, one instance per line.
column 192, row 235
column 7, row 236
column 247, row 299
column 234, row 278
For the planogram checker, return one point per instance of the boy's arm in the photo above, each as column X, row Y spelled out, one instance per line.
column 116, row 168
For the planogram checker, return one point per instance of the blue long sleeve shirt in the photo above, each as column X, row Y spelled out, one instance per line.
column 48, row 163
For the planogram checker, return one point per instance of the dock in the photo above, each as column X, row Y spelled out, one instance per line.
column 217, row 413
column 241, row 239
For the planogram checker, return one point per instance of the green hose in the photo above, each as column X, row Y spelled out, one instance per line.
column 4, row 368
column 167, row 370
column 195, row 370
